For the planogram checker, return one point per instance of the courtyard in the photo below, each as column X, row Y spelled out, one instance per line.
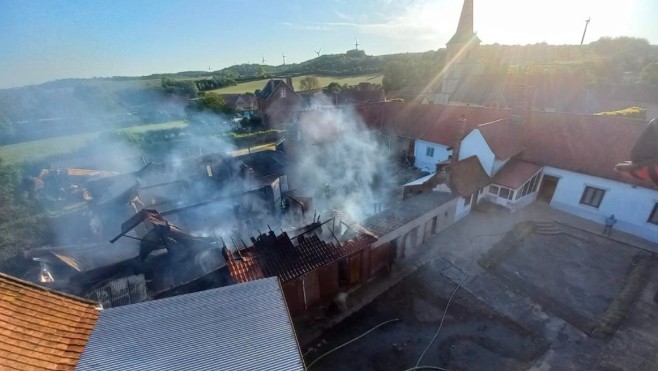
column 540, row 290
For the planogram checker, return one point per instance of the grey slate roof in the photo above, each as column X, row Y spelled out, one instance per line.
column 269, row 88
column 238, row 327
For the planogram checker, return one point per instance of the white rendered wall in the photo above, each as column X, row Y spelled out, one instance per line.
column 426, row 163
column 462, row 210
column 474, row 144
column 631, row 205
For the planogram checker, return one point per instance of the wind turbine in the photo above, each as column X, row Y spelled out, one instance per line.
column 284, row 58
column 318, row 52
column 262, row 59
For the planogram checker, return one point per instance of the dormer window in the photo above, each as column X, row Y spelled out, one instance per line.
column 283, row 93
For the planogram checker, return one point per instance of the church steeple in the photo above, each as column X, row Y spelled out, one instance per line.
column 461, row 61
column 465, row 34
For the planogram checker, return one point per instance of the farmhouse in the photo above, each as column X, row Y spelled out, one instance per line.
column 276, row 102
column 564, row 159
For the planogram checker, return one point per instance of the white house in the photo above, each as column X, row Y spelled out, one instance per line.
column 579, row 153
column 441, row 128
column 428, row 154
column 515, row 185
column 595, row 198
column 514, row 182
column 568, row 161
column 494, row 144
column 556, row 157
column 468, row 179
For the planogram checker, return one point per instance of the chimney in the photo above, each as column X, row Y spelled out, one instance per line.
column 461, row 128
column 289, row 83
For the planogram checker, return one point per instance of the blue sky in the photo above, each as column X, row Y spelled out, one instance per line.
column 50, row 39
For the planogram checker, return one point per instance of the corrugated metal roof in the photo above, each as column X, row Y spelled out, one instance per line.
column 238, row 327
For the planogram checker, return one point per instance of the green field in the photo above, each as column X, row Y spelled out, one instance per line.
column 43, row 148
column 324, row 81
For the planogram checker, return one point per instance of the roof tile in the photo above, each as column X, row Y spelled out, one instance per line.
column 515, row 173
column 42, row 329
column 273, row 255
column 503, row 137
column 586, row 144
column 467, row 176
column 430, row 122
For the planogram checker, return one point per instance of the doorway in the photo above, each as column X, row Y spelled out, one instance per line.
column 547, row 189
column 474, row 198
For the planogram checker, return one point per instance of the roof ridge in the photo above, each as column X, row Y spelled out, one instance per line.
column 491, row 122
column 23, row 283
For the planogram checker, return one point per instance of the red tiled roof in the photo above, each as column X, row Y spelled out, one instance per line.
column 515, row 173
column 561, row 90
column 410, row 96
column 430, row 122
column 584, row 144
column 503, row 137
column 467, row 176
column 42, row 329
column 276, row 256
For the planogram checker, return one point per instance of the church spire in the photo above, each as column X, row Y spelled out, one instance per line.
column 465, row 32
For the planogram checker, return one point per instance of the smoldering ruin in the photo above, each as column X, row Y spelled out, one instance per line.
column 127, row 228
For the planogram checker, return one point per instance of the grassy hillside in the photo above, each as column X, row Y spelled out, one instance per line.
column 324, row 81
column 41, row 149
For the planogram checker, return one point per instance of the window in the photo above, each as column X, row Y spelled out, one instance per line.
column 494, row 189
column 535, row 183
column 505, row 193
column 592, row 196
column 283, row 93
column 430, row 152
column 653, row 218
column 529, row 187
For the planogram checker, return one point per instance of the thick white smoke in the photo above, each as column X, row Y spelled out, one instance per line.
column 341, row 163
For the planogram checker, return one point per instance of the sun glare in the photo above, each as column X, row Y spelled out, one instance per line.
column 557, row 22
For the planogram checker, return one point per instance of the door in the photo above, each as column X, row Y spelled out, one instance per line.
column 474, row 198
column 548, row 186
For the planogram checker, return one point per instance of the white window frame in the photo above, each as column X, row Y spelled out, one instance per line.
column 589, row 198
column 653, row 216
column 429, row 152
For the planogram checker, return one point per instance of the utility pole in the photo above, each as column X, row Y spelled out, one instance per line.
column 585, row 31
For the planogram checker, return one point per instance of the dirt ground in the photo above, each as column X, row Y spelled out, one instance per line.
column 545, row 296
column 473, row 336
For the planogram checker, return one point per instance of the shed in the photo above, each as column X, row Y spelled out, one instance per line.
column 238, row 327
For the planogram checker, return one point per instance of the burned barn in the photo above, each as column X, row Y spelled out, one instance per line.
column 151, row 258
column 312, row 271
